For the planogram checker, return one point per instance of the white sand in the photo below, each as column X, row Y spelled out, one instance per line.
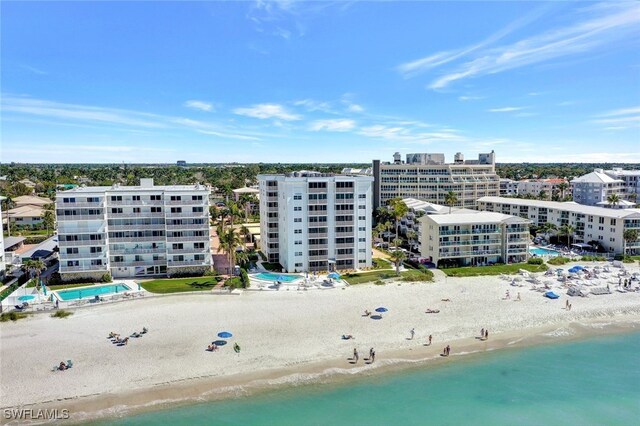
column 275, row 330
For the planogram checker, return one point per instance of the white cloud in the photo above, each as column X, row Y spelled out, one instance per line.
column 336, row 125
column 355, row 108
column 410, row 135
column 604, row 24
column 506, row 109
column 623, row 111
column 620, row 119
column 266, row 111
column 201, row 105
column 469, row 98
column 312, row 105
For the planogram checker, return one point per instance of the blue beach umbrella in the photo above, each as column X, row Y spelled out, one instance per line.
column 334, row 275
column 225, row 335
column 381, row 309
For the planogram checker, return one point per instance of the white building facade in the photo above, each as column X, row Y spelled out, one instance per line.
column 604, row 225
column 474, row 239
column 427, row 177
column 316, row 222
column 596, row 187
column 133, row 231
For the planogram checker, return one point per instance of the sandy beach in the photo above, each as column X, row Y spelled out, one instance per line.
column 286, row 337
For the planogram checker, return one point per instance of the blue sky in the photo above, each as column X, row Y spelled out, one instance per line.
column 319, row 81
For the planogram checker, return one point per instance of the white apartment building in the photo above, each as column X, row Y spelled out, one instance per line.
column 595, row 187
column 427, row 177
column 630, row 182
column 508, row 187
column 133, row 231
column 311, row 221
column 604, row 225
column 464, row 238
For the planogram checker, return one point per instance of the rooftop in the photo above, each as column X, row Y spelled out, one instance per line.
column 12, row 241
column 569, row 206
column 31, row 199
column 25, row 211
column 477, row 217
column 145, row 185
column 246, row 190
column 597, row 176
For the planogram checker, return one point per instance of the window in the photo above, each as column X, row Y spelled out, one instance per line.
column 156, row 209
column 155, row 198
column 197, row 209
column 297, row 231
column 135, row 198
column 176, row 198
column 362, row 228
column 116, row 210
column 362, row 250
column 72, row 250
column 115, row 198
column 176, row 209
column 177, row 246
column 196, row 198
column 317, row 185
column 298, row 253
column 297, row 219
column 73, row 263
column 198, row 245
column 361, row 207
column 298, row 265
column 362, row 240
column 297, row 197
column 362, row 218
column 344, row 184
column 298, row 243
column 96, row 249
column 91, row 200
column 362, row 196
column 297, row 209
column 136, row 209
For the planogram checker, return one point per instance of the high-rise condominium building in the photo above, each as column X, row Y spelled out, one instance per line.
column 133, row 231
column 427, row 177
column 316, row 222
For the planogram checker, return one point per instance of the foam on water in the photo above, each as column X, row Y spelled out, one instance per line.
column 591, row 382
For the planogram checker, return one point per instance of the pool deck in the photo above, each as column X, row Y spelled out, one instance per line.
column 313, row 282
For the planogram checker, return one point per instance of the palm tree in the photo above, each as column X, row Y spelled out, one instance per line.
column 542, row 195
column 379, row 230
column 563, row 186
column 411, row 235
column 34, row 267
column 568, row 230
column 397, row 257
column 8, row 204
column 229, row 241
column 246, row 234
column 613, row 200
column 397, row 242
column 388, row 226
column 547, row 227
column 628, row 236
column 49, row 221
column 450, row 199
column 398, row 209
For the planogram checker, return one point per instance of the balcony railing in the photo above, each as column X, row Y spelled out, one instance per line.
column 134, row 239
column 188, row 226
column 145, row 226
column 318, row 235
column 188, row 214
column 98, row 204
column 469, row 242
column 344, row 223
column 345, row 234
column 468, row 253
column 177, row 263
column 135, row 203
column 185, row 202
column 148, row 262
column 79, row 256
column 138, row 250
column 345, row 245
column 87, row 268
column 140, row 214
column 186, row 250
column 319, row 257
column 74, row 217
column 77, row 243
column 188, row 238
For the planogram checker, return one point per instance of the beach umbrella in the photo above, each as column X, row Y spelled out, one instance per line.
column 381, row 309
column 334, row 275
column 225, row 334
column 219, row 342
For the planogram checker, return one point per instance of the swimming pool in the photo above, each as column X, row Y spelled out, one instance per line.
column 90, row 292
column 541, row 251
column 268, row 276
column 26, row 297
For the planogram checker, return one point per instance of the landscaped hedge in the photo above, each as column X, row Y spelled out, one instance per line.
column 535, row 261
column 558, row 260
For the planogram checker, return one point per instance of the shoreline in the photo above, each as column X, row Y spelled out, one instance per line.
column 336, row 372
column 288, row 339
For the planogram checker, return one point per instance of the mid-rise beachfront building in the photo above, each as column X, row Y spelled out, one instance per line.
column 427, row 177
column 508, row 187
column 312, row 221
column 604, row 225
column 630, row 182
column 133, row 231
column 464, row 238
column 594, row 188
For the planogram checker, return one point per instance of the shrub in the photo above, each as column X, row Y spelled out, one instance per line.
column 558, row 260
column 61, row 314
column 244, row 277
column 35, row 239
column 12, row 316
column 594, row 258
column 535, row 261
column 262, row 255
column 106, row 278
column 235, row 282
column 378, row 282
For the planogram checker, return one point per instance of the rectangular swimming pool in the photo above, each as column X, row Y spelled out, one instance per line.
column 268, row 276
column 91, row 292
column 540, row 251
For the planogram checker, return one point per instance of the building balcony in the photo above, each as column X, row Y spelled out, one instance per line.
column 317, row 213
column 314, row 202
column 187, row 214
column 185, row 202
column 187, row 238
column 79, row 256
column 346, row 245
column 148, row 262
column 138, row 250
column 187, row 250
column 78, row 243
column 318, row 235
column 140, row 227
column 318, row 247
column 134, row 239
column 135, row 215
column 188, row 226
column 87, row 268
column 345, row 190
column 76, row 217
column 318, row 257
column 470, row 243
column 468, row 253
column 317, row 190
column 345, row 256
column 99, row 204
column 344, row 223
column 178, row 263
column 135, row 203
column 345, row 234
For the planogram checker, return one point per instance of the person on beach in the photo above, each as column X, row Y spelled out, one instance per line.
column 518, row 298
column 482, row 333
column 448, row 350
column 507, row 295
column 569, row 306
column 373, row 356
column 370, row 353
column 430, row 337
column 62, row 366
column 355, row 356
column 412, row 332
column 566, row 304
column 486, row 334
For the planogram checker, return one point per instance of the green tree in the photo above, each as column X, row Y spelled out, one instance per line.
column 34, row 267
column 629, row 236
column 411, row 235
column 49, row 221
column 8, row 204
column 568, row 230
column 229, row 241
column 547, row 228
column 398, row 210
column 450, row 199
column 397, row 257
column 613, row 200
column 562, row 186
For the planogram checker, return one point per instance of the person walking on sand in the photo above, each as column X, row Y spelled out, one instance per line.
column 486, row 334
column 566, row 304
column 482, row 333
column 448, row 350
column 370, row 353
column 507, row 295
column 412, row 332
column 373, row 355
column 430, row 337
column 355, row 356
column 518, row 298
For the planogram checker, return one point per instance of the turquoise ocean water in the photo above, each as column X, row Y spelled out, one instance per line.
column 592, row 382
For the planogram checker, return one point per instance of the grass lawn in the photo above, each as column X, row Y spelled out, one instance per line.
column 367, row 277
column 416, row 275
column 381, row 264
column 28, row 233
column 179, row 285
column 473, row 271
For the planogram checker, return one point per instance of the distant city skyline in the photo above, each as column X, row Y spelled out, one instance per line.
column 319, row 82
